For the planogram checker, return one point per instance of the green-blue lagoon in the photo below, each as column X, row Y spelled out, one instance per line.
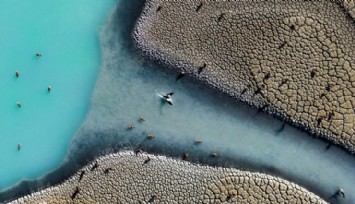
column 66, row 34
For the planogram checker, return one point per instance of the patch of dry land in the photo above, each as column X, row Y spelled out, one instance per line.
column 127, row 178
column 293, row 59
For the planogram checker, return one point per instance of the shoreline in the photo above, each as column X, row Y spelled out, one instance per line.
column 144, row 36
column 126, row 178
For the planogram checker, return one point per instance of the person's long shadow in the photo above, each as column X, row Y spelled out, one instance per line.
column 281, row 129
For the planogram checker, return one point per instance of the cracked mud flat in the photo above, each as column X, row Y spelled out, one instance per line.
column 126, row 178
column 293, row 59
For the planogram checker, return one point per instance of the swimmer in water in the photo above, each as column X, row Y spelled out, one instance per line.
column 339, row 192
column 181, row 74
column 168, row 99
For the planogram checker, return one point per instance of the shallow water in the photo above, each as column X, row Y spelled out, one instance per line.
column 65, row 32
column 126, row 89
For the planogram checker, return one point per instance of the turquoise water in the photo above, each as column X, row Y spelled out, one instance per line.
column 126, row 89
column 66, row 33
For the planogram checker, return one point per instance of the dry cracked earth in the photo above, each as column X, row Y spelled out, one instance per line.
column 127, row 178
column 293, row 59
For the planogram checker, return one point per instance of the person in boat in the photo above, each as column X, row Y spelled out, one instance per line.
column 168, row 99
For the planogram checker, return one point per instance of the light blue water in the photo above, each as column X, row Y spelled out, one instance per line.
column 126, row 89
column 65, row 32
